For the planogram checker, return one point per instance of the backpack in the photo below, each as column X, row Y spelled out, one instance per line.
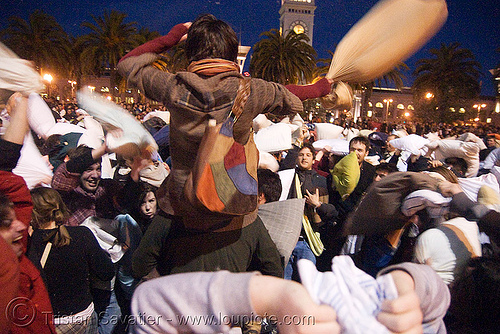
column 223, row 180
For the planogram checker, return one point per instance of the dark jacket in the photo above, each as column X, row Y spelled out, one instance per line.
column 170, row 248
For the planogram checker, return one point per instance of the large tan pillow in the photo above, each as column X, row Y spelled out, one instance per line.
column 379, row 212
column 388, row 34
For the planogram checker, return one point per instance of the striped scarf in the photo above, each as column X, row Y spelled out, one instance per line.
column 211, row 67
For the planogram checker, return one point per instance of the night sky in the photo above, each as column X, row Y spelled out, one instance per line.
column 474, row 24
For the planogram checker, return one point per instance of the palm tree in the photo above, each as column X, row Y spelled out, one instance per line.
column 174, row 60
column 40, row 39
column 110, row 38
column 451, row 75
column 285, row 60
column 146, row 35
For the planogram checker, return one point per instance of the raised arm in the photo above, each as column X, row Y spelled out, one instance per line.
column 17, row 107
column 177, row 303
column 163, row 43
column 305, row 92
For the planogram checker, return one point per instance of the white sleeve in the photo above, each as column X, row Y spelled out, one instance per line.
column 493, row 159
column 433, row 248
column 200, row 302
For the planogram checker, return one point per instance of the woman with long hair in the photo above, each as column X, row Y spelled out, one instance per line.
column 68, row 256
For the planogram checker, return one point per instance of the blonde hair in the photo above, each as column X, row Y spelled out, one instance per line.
column 48, row 207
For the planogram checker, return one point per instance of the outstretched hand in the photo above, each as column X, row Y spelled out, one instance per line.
column 138, row 163
column 184, row 37
column 16, row 103
column 403, row 314
column 291, row 306
column 313, row 199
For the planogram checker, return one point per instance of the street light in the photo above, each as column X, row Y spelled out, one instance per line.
column 478, row 107
column 429, row 95
column 72, row 83
column 387, row 101
column 47, row 77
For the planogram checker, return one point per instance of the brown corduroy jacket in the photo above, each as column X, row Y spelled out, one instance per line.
column 192, row 100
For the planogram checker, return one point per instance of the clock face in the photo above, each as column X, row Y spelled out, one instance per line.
column 299, row 29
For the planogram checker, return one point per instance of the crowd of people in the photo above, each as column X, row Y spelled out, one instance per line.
column 108, row 241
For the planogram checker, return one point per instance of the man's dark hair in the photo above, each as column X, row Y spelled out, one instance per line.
column 51, row 145
column 475, row 298
column 209, row 37
column 78, row 152
column 386, row 167
column 154, row 124
column 269, row 184
column 310, row 147
column 458, row 165
column 144, row 189
column 362, row 140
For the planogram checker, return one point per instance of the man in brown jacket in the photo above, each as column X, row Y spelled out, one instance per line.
column 205, row 91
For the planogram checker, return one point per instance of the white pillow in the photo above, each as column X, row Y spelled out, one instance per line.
column 39, row 115
column 470, row 137
column 471, row 185
column 267, row 161
column 349, row 134
column 164, row 115
column 274, row 138
column 432, row 136
column 411, row 143
column 455, row 148
column 261, row 122
column 134, row 136
column 338, row 146
column 327, row 131
column 32, row 167
column 18, row 75
column 297, row 120
column 365, row 132
column 64, row 128
column 286, row 177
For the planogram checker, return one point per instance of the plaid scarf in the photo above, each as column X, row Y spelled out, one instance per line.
column 211, row 67
column 84, row 205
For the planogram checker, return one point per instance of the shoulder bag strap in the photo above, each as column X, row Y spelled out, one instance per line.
column 241, row 98
column 45, row 254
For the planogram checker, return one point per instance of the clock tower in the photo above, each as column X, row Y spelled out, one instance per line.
column 297, row 15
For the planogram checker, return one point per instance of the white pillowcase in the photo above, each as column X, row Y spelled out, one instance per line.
column 327, row 131
column 338, row 146
column 411, row 143
column 274, row 138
